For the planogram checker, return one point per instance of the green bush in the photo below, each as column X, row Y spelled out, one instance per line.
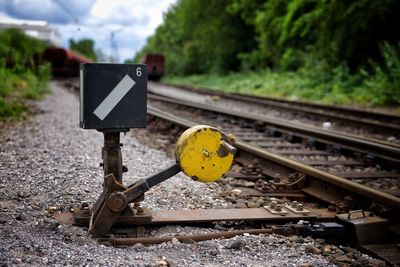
column 20, row 76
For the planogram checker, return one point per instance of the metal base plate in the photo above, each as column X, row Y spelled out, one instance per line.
column 201, row 216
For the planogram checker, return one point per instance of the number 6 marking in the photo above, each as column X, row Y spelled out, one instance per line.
column 139, row 72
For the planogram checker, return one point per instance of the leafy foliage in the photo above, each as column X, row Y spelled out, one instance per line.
column 340, row 45
column 21, row 77
column 18, row 50
column 84, row 47
column 199, row 37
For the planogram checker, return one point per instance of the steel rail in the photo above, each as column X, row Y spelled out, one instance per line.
column 290, row 103
column 342, row 183
column 353, row 142
column 130, row 241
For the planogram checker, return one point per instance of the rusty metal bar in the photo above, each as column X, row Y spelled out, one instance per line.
column 122, row 242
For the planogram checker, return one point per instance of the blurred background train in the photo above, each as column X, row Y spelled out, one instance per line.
column 65, row 63
column 155, row 65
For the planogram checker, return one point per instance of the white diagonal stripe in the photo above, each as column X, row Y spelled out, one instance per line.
column 114, row 97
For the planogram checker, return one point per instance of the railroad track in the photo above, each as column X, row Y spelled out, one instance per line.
column 380, row 126
column 279, row 169
column 354, row 162
column 271, row 177
column 281, row 184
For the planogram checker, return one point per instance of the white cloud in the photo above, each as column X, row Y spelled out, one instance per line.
column 132, row 21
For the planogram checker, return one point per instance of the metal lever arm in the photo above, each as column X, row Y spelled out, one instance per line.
column 142, row 186
column 117, row 202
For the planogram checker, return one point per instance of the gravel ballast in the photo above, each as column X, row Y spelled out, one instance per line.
column 49, row 164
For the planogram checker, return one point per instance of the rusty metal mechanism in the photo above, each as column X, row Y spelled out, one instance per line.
column 201, row 145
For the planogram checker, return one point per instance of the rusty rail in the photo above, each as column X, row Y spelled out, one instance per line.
column 122, row 242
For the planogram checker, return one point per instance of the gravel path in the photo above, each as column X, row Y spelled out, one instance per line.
column 49, row 163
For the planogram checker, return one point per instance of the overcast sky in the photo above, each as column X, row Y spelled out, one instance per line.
column 131, row 20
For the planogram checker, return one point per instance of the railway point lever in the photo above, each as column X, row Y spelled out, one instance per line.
column 113, row 100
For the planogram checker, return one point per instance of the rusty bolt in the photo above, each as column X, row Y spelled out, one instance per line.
column 332, row 207
column 299, row 207
column 278, row 207
column 277, row 179
column 294, row 204
column 117, row 202
column 341, row 209
column 84, row 205
column 139, row 210
column 124, row 169
column 349, row 201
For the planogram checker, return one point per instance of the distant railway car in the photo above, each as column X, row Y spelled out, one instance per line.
column 64, row 62
column 155, row 65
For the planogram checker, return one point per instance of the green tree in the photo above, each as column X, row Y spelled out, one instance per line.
column 199, row 37
column 84, row 47
column 18, row 49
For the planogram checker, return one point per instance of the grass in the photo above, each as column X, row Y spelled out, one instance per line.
column 18, row 86
column 336, row 88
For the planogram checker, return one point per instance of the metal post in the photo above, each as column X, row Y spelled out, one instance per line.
column 111, row 154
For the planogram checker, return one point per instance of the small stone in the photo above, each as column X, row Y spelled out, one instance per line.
column 363, row 261
column 138, row 245
column 356, row 264
column 236, row 192
column 350, row 255
column 21, row 217
column 267, row 240
column 237, row 244
column 240, row 205
column 260, row 202
column 339, row 251
column 378, row 263
column 213, row 252
column 161, row 264
column 312, row 249
column 219, row 227
column 327, row 249
column 230, row 198
column 343, row 259
column 305, row 265
column 249, row 184
column 319, row 241
column 326, row 125
column 226, row 180
column 188, row 241
column 24, row 194
column 296, row 239
column 347, row 249
column 251, row 204
column 175, row 241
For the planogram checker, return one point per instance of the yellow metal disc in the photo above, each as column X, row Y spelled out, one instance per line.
column 204, row 153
